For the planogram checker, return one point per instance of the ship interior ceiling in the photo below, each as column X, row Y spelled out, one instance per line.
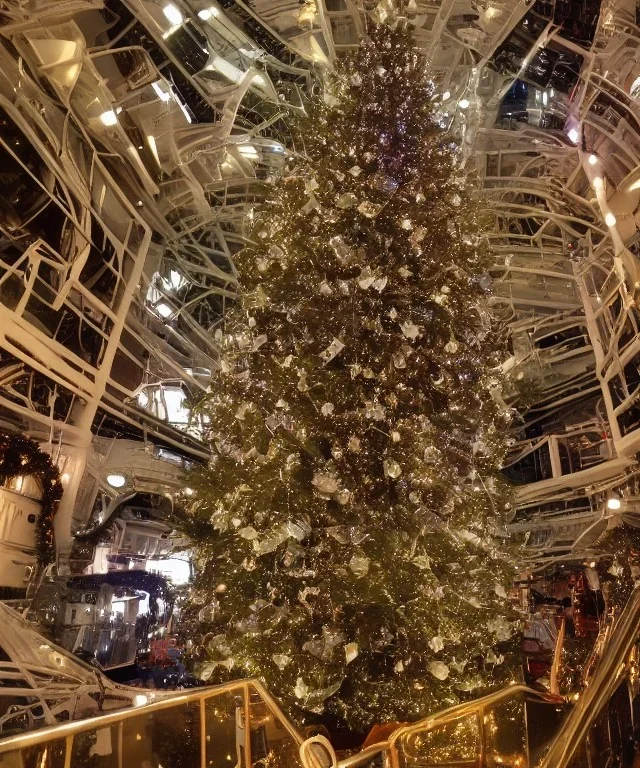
column 135, row 140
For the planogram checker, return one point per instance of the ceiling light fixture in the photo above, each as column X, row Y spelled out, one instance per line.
column 109, row 118
column 593, row 159
column 173, row 14
column 463, row 103
column 614, row 502
column 116, row 481
column 610, row 219
column 573, row 135
column 207, row 13
column 164, row 310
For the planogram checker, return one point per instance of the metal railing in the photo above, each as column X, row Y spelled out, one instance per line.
column 240, row 721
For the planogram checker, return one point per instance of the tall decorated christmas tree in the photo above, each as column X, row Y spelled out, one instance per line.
column 348, row 526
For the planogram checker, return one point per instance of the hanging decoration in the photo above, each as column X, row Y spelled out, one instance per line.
column 21, row 456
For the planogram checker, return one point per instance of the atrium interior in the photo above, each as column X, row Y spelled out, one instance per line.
column 135, row 140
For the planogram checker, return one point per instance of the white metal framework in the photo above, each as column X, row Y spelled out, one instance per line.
column 133, row 135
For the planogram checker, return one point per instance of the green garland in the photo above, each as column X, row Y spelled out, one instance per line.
column 21, row 456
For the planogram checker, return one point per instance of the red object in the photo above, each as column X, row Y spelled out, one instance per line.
column 159, row 651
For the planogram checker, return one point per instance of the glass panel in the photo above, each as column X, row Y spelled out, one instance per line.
column 543, row 722
column 620, row 725
column 580, row 758
column 49, row 755
column 456, row 743
column 271, row 742
column 167, row 738
column 96, row 749
column 599, row 743
column 220, row 716
column 505, row 734
column 11, row 760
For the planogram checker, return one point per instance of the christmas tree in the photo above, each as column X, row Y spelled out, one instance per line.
column 347, row 528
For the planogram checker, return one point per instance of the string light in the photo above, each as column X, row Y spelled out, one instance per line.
column 346, row 524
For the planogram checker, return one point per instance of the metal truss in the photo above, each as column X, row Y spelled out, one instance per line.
column 135, row 136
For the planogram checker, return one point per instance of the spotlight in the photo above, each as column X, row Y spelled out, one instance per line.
column 109, row 118
column 613, row 502
column 610, row 219
column 573, row 135
column 593, row 159
column 173, row 14
column 116, row 481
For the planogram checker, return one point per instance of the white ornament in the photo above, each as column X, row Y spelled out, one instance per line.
column 325, row 484
column 410, row 330
column 348, row 200
column 392, row 469
column 366, row 279
column 439, row 670
column 350, row 651
column 359, row 565
column 355, row 171
column 333, row 350
column 379, row 285
column 343, row 497
column 281, row 660
column 451, row 347
column 436, row 644
column 327, row 409
column 325, row 288
column 301, row 690
column 500, row 590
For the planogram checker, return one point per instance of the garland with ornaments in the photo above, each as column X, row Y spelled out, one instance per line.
column 20, row 456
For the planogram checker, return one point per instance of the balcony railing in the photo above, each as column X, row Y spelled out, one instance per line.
column 236, row 724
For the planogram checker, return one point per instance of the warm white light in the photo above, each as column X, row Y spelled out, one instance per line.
column 446, row 95
column 463, row 103
column 175, row 279
column 206, row 13
column 610, row 221
column 248, row 150
column 593, row 159
column 613, row 502
column 162, row 94
column 188, row 491
column 109, row 118
column 597, row 182
column 164, row 310
column 173, row 14
column 116, row 481
column 139, row 700
column 573, row 135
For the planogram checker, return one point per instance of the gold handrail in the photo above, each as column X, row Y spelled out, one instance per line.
column 65, row 730
column 441, row 717
column 554, row 687
column 611, row 668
